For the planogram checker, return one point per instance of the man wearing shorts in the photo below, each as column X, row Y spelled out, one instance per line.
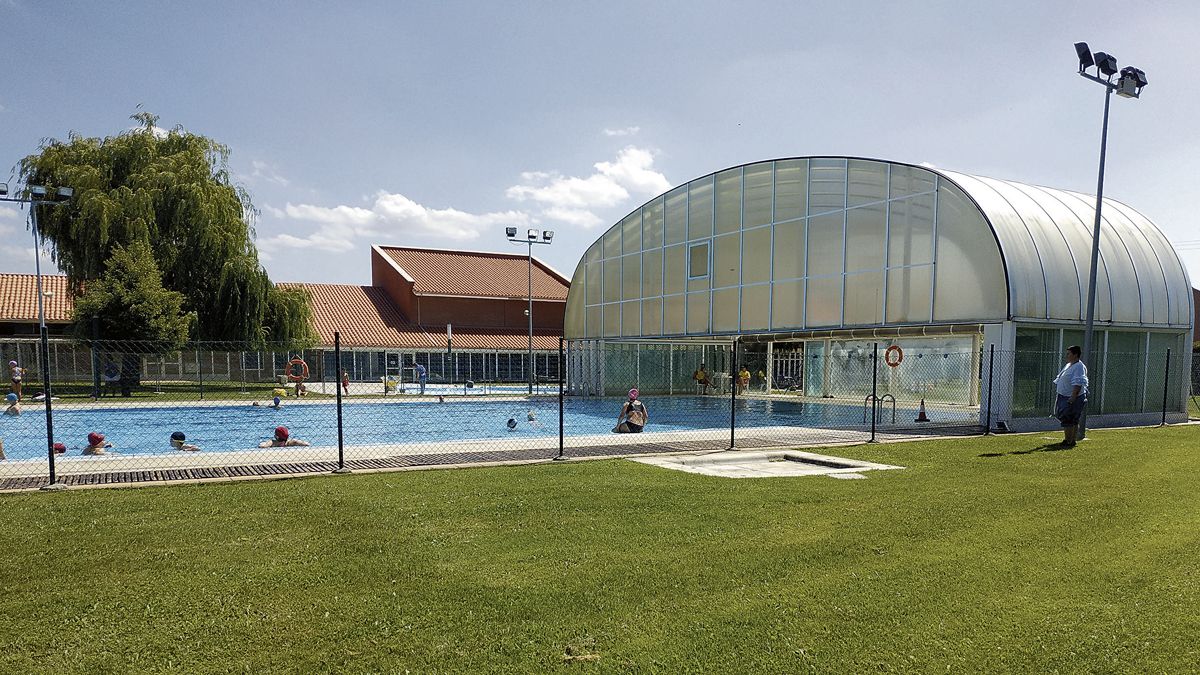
column 1071, row 387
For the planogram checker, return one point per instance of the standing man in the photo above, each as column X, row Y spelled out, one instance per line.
column 1071, row 386
column 422, row 376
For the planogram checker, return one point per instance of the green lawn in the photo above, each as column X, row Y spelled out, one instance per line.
column 994, row 554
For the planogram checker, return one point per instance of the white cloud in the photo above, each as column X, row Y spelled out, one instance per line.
column 572, row 199
column 20, row 253
column 623, row 131
column 7, row 213
column 268, row 172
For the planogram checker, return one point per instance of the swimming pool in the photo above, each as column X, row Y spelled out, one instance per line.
column 224, row 427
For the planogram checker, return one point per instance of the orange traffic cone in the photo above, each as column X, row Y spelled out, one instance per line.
column 921, row 413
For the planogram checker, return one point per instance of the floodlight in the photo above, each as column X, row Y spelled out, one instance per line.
column 38, row 190
column 533, row 234
column 1106, row 63
column 548, row 235
column 1136, row 74
column 64, row 193
column 1085, row 56
column 510, row 232
column 3, row 189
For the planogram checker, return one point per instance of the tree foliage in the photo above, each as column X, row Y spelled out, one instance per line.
column 171, row 191
column 129, row 299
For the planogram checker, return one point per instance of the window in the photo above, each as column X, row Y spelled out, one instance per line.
column 698, row 261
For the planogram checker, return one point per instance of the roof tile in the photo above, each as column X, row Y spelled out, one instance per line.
column 476, row 274
column 18, row 298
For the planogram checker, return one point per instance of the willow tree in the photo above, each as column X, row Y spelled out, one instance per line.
column 173, row 192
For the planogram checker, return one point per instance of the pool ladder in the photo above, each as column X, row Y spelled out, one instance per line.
column 879, row 401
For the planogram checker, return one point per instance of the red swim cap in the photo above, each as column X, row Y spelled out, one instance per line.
column 95, row 438
column 281, row 433
column 60, row 447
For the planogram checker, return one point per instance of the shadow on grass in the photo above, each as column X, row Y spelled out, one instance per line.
column 1048, row 447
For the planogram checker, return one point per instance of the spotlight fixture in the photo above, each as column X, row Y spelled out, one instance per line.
column 3, row 189
column 1085, row 56
column 548, row 235
column 1106, row 64
column 510, row 232
column 533, row 234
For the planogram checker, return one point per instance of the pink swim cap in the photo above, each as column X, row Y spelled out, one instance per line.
column 633, row 393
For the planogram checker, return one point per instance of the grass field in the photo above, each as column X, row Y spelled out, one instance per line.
column 1002, row 554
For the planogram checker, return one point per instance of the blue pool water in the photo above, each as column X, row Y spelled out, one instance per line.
column 145, row 430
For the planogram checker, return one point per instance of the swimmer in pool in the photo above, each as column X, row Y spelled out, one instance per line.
column 178, row 443
column 512, row 424
column 282, row 438
column 14, row 406
column 96, row 444
column 275, row 403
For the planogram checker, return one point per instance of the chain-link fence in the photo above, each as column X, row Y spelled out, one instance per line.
column 126, row 412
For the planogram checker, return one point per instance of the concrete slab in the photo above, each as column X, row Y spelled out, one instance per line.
column 773, row 464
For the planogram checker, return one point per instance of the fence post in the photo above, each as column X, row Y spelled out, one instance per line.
column 1166, row 381
column 95, row 358
column 199, row 371
column 733, row 372
column 874, row 388
column 991, row 376
column 337, row 357
column 561, row 400
column 49, row 392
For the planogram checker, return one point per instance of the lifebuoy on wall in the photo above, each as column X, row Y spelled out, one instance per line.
column 893, row 356
column 297, row 370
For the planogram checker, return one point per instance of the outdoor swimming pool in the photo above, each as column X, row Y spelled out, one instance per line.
column 223, row 427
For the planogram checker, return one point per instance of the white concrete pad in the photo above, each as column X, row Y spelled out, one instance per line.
column 771, row 464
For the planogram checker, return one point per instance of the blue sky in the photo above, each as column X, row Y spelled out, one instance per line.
column 437, row 124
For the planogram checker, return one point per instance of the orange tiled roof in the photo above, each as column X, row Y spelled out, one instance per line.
column 366, row 317
column 476, row 274
column 18, row 298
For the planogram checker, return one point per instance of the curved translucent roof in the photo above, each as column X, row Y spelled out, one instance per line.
column 808, row 243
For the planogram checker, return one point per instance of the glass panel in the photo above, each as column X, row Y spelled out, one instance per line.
column 594, row 280
column 676, row 273
column 1036, row 363
column 908, row 180
column 673, row 315
column 676, row 215
column 652, row 316
column 612, row 320
column 726, row 264
column 756, row 253
column 868, row 182
column 725, row 310
column 652, row 224
column 791, row 189
column 592, row 323
column 631, row 233
column 910, row 231
column 631, row 318
column 698, row 260
column 700, row 208
column 612, row 242
column 652, row 273
column 824, row 306
column 729, row 201
column 756, row 209
column 593, row 253
column 612, row 280
column 787, row 304
column 1126, row 369
column 865, row 230
column 970, row 283
column 789, row 250
column 814, row 368
column 825, row 244
column 864, row 299
column 827, row 185
column 697, row 312
column 908, row 294
column 631, row 277
column 1157, row 370
column 756, row 307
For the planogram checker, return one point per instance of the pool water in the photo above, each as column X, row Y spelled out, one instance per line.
column 146, row 430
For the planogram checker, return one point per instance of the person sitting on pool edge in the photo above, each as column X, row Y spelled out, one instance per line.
column 96, row 445
column 14, row 405
column 282, row 438
column 633, row 416
column 177, row 443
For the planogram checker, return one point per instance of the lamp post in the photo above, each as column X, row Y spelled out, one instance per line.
column 37, row 195
column 532, row 236
column 1129, row 84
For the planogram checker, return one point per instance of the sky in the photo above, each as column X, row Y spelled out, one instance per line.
column 440, row 123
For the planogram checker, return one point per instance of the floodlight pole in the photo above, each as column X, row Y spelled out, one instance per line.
column 1089, row 325
column 532, row 237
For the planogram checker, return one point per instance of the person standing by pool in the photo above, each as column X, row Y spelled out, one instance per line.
column 633, row 416
column 96, row 445
column 178, row 442
column 17, row 374
column 282, row 438
column 743, row 380
column 422, row 376
column 14, row 405
column 346, row 382
column 1071, row 387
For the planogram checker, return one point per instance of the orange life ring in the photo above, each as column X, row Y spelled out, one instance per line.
column 292, row 375
column 893, row 356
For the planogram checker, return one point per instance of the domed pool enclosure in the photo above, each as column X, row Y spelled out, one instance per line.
column 837, row 277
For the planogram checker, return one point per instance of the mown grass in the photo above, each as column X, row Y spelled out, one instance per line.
column 1000, row 554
